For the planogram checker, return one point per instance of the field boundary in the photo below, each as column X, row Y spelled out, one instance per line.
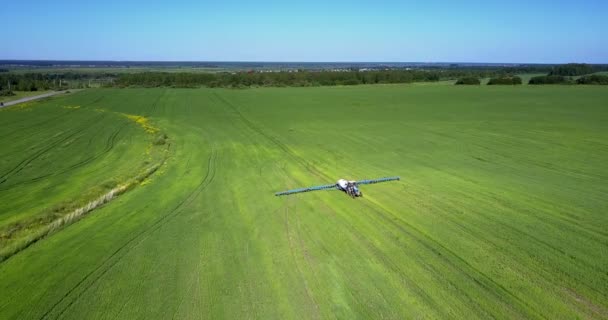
column 83, row 285
column 18, row 244
column 78, row 213
column 32, row 98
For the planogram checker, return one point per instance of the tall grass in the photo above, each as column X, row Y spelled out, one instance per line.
column 75, row 215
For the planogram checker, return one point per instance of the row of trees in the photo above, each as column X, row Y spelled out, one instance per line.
column 574, row 69
column 303, row 77
column 593, row 79
column 503, row 80
column 46, row 81
column 274, row 79
column 465, row 75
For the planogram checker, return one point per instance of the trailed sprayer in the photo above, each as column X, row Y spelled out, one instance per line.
column 350, row 187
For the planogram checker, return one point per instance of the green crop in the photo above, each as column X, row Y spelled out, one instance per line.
column 500, row 211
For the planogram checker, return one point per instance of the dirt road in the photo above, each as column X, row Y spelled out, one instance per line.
column 26, row 99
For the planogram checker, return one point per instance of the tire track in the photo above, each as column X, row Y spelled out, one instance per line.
column 71, row 133
column 21, row 165
column 54, row 118
column 110, row 142
column 290, row 233
column 37, row 125
column 546, row 245
column 96, row 274
column 251, row 125
column 489, row 284
column 454, row 260
column 542, row 274
column 48, row 147
column 397, row 270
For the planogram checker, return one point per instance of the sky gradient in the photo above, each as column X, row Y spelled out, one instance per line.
column 515, row 31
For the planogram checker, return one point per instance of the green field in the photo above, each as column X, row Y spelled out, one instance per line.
column 500, row 211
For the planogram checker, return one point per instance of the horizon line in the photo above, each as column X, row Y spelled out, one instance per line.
column 293, row 62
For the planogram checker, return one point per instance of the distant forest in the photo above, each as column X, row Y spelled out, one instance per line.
column 10, row 81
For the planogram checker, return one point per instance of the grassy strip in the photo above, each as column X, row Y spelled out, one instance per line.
column 22, row 94
column 76, row 214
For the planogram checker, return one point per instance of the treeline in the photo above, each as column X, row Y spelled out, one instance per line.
column 274, row 79
column 594, row 79
column 293, row 78
column 574, row 69
column 24, row 83
column 302, row 78
column 46, row 81
column 502, row 80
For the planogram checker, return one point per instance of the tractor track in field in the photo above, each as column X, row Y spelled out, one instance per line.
column 96, row 274
column 78, row 131
column 544, row 243
column 36, row 125
column 21, row 165
column 110, row 142
column 539, row 241
column 251, row 125
column 457, row 262
column 307, row 165
column 109, row 146
column 396, row 269
column 292, row 248
column 485, row 281
column 45, row 121
column 539, row 272
column 300, row 160
column 534, row 239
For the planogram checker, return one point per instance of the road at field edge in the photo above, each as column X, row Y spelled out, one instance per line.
column 26, row 99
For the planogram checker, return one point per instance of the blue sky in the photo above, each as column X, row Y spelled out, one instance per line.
column 539, row 31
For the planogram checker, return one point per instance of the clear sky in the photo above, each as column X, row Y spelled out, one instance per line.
column 535, row 31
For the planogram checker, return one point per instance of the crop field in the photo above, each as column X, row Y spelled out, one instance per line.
column 500, row 211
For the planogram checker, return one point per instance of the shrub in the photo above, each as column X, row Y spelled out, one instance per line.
column 160, row 139
column 549, row 80
column 505, row 80
column 593, row 79
column 468, row 81
column 6, row 93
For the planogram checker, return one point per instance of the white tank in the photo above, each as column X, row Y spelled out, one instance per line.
column 342, row 183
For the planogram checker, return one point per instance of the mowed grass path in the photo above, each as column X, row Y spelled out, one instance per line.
column 500, row 211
